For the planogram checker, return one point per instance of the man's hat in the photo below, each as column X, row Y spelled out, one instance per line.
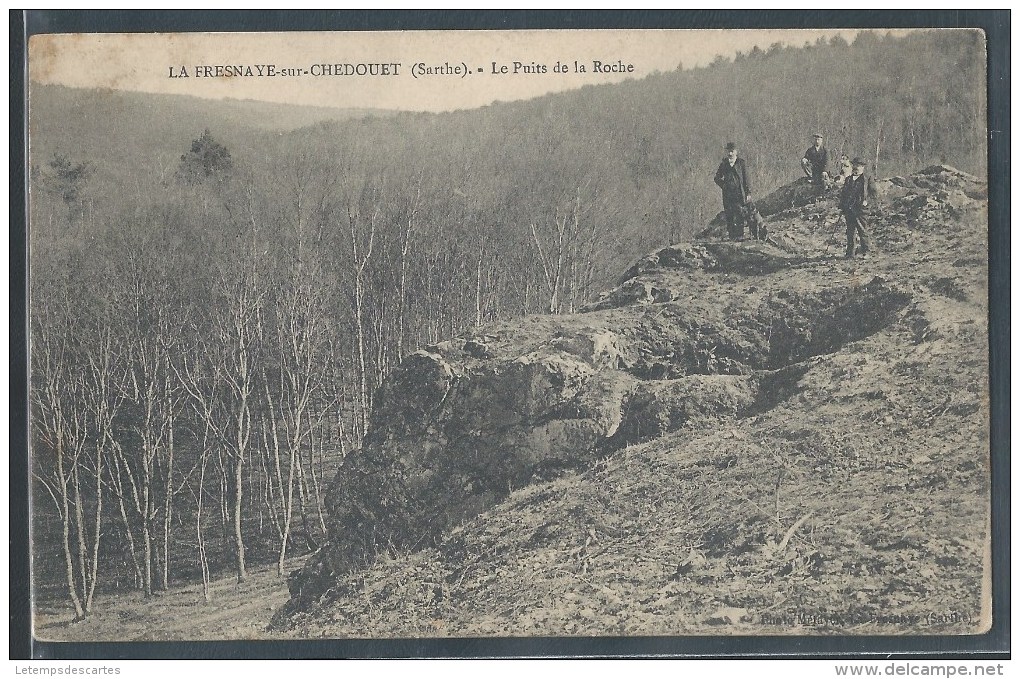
column 730, row 146
column 859, row 162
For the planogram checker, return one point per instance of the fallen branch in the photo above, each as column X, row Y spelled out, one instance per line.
column 793, row 529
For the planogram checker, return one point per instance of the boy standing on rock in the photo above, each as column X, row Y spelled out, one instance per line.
column 857, row 188
column 736, row 190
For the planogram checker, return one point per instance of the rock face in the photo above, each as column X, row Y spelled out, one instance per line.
column 696, row 337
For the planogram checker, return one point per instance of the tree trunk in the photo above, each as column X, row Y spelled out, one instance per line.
column 302, row 486
column 146, row 515
column 242, row 572
column 362, row 368
column 132, row 548
column 311, row 469
column 478, row 288
column 402, row 307
column 878, row 146
column 275, row 493
column 203, row 558
column 168, row 510
column 79, row 522
column 224, row 504
column 65, row 520
column 97, row 531
column 288, row 509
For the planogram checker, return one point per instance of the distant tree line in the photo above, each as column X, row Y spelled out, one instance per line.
column 208, row 338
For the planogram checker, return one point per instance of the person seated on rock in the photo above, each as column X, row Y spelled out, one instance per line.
column 736, row 191
column 853, row 199
column 815, row 159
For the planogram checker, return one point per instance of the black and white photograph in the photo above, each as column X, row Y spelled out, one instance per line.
column 509, row 334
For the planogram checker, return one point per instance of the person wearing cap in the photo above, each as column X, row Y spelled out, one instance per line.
column 736, row 190
column 853, row 199
column 815, row 159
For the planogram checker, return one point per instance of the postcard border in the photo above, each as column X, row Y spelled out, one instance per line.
column 991, row 645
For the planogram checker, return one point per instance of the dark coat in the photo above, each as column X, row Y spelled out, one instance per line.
column 733, row 180
column 819, row 159
column 855, row 191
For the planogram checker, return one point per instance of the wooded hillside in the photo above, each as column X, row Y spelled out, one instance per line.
column 213, row 305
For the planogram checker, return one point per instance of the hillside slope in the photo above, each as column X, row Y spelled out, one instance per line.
column 745, row 438
column 127, row 133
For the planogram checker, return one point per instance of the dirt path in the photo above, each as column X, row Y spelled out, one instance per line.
column 235, row 611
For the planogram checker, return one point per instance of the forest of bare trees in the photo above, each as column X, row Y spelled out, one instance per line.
column 209, row 327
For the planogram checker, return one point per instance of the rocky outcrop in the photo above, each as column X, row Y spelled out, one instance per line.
column 459, row 426
column 937, row 187
column 797, row 193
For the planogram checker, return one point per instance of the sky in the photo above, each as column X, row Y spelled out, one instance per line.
column 303, row 63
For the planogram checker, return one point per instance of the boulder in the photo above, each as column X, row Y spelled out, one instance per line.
column 451, row 435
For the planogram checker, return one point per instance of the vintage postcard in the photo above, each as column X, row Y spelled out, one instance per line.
column 509, row 334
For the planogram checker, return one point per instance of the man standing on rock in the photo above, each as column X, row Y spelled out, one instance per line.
column 857, row 188
column 815, row 159
column 736, row 191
